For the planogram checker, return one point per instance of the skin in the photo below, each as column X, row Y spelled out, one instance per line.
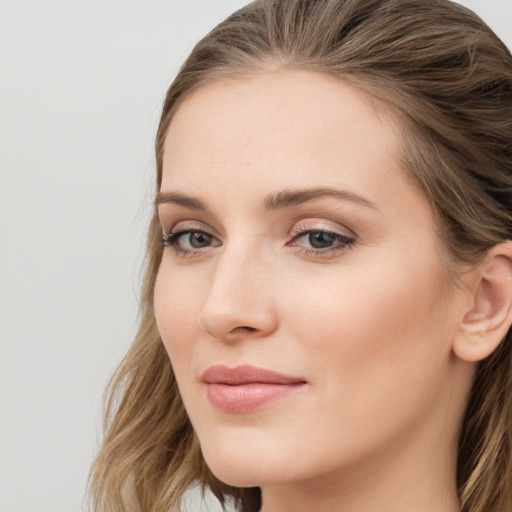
column 369, row 325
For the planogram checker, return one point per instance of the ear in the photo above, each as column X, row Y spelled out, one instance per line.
column 487, row 322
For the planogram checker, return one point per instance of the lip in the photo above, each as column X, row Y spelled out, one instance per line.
column 246, row 388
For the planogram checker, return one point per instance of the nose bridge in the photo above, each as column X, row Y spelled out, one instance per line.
column 239, row 298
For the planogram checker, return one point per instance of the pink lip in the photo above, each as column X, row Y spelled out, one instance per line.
column 246, row 388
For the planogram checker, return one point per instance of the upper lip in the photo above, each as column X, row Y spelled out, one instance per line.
column 245, row 374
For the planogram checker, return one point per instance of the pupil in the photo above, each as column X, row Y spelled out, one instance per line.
column 198, row 240
column 320, row 240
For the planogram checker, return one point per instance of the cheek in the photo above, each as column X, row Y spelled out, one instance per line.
column 177, row 302
column 373, row 330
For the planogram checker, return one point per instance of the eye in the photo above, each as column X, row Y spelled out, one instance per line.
column 321, row 241
column 189, row 241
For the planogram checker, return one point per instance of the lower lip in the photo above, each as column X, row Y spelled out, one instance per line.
column 244, row 398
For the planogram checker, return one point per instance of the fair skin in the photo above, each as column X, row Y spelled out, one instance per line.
column 345, row 291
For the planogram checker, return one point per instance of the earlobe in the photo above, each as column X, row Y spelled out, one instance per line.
column 485, row 325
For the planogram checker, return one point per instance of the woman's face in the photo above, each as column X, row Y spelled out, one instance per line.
column 301, row 296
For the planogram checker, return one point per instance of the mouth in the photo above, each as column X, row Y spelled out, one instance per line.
column 246, row 388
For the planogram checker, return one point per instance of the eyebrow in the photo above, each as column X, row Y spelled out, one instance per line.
column 288, row 198
column 275, row 201
column 191, row 203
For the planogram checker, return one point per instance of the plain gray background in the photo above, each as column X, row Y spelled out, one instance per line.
column 81, row 85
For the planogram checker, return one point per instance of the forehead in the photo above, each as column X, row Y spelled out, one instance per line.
column 279, row 130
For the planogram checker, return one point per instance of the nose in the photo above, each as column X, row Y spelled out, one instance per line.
column 239, row 303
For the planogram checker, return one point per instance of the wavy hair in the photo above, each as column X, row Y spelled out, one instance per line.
column 447, row 79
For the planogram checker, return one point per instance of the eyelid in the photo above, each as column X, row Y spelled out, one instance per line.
column 321, row 225
column 187, row 225
column 171, row 240
column 343, row 239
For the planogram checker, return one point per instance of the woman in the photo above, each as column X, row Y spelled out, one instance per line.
column 328, row 293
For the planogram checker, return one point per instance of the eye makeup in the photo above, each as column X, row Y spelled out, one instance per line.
column 308, row 238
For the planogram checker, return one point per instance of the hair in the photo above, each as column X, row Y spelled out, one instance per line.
column 447, row 79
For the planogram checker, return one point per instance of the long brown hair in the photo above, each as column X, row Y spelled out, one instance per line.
column 447, row 79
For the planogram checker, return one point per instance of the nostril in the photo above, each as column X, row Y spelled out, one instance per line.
column 243, row 331
column 244, row 328
column 230, row 323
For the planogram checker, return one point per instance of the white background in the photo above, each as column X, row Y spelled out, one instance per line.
column 81, row 86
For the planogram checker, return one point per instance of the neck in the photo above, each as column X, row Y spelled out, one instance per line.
column 420, row 476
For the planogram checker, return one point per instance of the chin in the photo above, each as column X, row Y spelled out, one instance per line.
column 244, row 465
column 235, row 477
column 238, row 472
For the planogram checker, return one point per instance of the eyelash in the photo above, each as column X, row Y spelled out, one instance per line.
column 171, row 240
column 343, row 242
